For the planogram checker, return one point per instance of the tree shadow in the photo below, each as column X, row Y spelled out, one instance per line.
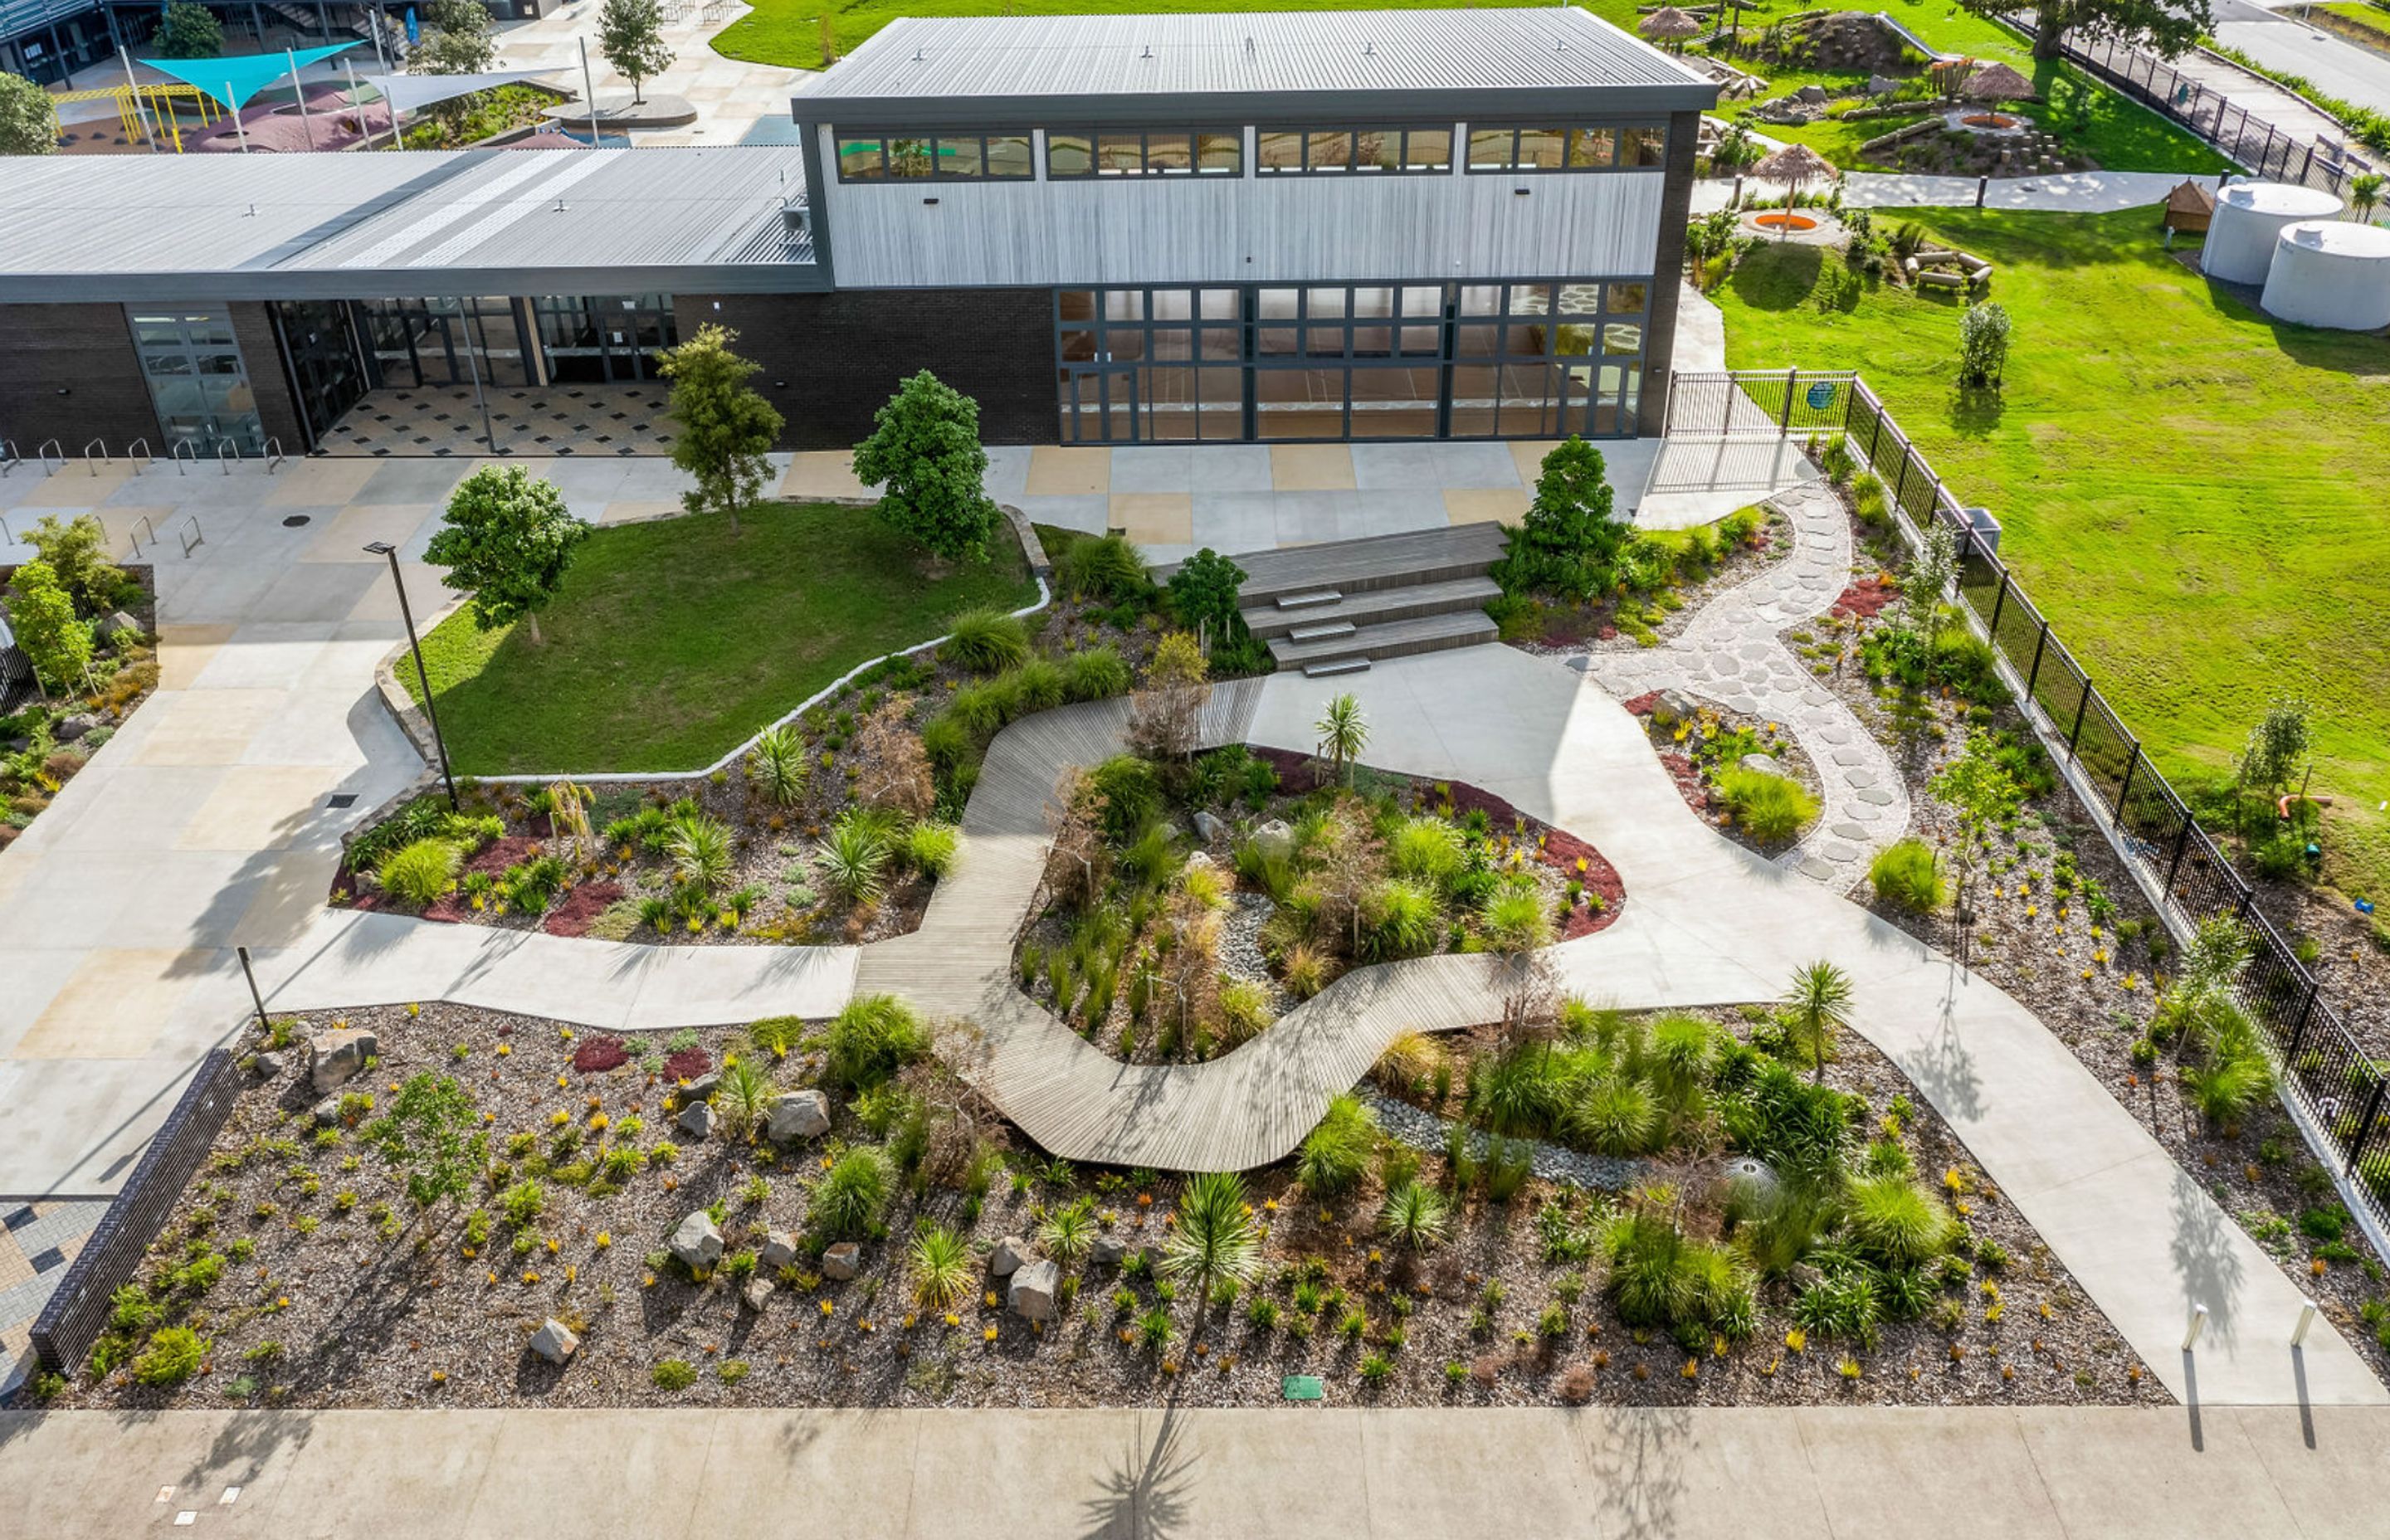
column 1639, row 1470
column 2204, row 1258
column 1144, row 1498
column 1976, row 411
column 1778, row 276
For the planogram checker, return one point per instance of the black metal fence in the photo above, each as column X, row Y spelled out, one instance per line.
column 79, row 1311
column 2336, row 1087
column 2266, row 150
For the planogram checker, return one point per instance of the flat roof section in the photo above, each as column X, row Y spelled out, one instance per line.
column 1406, row 63
column 170, row 228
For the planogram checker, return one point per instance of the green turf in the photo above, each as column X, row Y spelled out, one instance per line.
column 673, row 641
column 2371, row 21
column 2193, row 492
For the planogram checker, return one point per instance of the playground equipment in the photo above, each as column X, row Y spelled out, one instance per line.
column 159, row 98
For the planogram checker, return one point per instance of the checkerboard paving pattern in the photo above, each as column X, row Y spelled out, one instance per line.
column 551, row 420
column 37, row 1241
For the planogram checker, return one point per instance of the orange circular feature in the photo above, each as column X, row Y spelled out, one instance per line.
column 1784, row 221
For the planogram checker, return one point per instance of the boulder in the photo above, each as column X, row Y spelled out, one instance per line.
column 1882, row 85
column 555, row 1341
column 697, row 1242
column 271, row 1064
column 1765, row 763
column 780, row 1250
column 1674, row 706
column 797, row 1115
column 326, row 1113
column 71, row 728
column 1034, row 1290
column 700, row 1089
column 1815, row 95
column 1106, row 1252
column 756, row 1295
column 1275, row 839
column 1011, row 1253
column 337, row 1056
column 842, row 1260
column 1209, row 829
column 695, row 1119
column 117, row 623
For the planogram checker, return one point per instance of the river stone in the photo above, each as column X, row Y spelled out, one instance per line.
column 337, row 1056
column 1765, row 763
column 326, row 1113
column 1106, row 1252
column 1033, row 1291
column 1011, row 1253
column 555, row 1341
column 779, row 1250
column 696, row 1119
column 697, row 1242
column 271, row 1064
column 1674, row 706
column 700, row 1089
column 798, row 1115
column 1274, row 838
column 756, row 1295
column 1209, row 829
column 842, row 1260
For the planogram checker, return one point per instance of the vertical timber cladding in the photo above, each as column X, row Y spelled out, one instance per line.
column 831, row 360
column 71, row 374
column 1660, row 338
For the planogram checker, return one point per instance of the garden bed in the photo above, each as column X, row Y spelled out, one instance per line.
column 1723, row 762
column 305, row 1277
column 1665, row 578
column 45, row 743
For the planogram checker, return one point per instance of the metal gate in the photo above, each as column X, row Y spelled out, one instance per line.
column 1757, row 403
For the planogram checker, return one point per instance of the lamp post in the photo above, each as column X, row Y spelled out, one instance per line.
column 384, row 549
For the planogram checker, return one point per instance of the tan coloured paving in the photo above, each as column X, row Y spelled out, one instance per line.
column 822, row 474
column 196, row 726
column 1486, row 505
column 257, row 807
column 1154, row 518
column 112, row 1005
column 1069, row 470
column 184, row 651
column 347, row 535
column 1311, row 468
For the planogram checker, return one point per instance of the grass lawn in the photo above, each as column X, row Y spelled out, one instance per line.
column 2371, row 21
column 2193, row 492
column 672, row 641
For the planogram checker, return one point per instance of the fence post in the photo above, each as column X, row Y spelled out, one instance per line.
column 2181, row 844
column 2365, row 1125
column 2132, row 763
column 1785, row 428
column 2039, row 643
column 2080, row 707
column 1999, row 597
column 2299, row 1032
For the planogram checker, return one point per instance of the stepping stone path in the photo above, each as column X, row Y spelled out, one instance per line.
column 1734, row 653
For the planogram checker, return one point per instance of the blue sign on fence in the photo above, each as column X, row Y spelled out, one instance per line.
column 1821, row 394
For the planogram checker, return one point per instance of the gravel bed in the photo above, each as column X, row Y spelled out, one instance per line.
column 1423, row 1130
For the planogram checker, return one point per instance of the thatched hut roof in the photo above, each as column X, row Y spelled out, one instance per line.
column 1669, row 22
column 1997, row 82
column 1793, row 163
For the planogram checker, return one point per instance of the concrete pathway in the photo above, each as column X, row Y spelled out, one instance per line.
column 2081, row 192
column 2035, row 1473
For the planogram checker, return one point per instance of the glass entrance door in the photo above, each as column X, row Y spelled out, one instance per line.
column 1100, row 403
column 198, row 380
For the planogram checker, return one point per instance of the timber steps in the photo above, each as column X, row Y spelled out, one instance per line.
column 1335, row 607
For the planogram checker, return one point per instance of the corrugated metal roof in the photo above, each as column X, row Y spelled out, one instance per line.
column 1244, row 53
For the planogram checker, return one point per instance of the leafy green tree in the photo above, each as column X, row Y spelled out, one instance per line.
column 2167, row 27
column 1982, row 345
column 726, row 427
column 43, row 616
column 507, row 540
column 2364, row 195
column 1344, row 732
column 432, row 1133
column 1569, row 540
column 1979, row 787
column 924, row 451
column 458, row 43
column 1203, row 593
column 2278, row 746
column 631, row 35
column 1816, row 1006
column 187, row 32
column 26, row 127
column 1215, row 1238
column 77, row 553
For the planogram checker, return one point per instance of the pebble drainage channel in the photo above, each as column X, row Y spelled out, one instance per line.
column 1422, row 1130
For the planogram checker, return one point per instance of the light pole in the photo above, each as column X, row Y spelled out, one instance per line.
column 384, row 549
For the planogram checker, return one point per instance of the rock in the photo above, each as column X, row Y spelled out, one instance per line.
column 73, row 727
column 1275, row 839
column 326, row 1113
column 271, row 1064
column 1765, row 763
column 1209, row 829
column 118, row 621
column 1882, row 85
column 797, row 1115
column 779, row 1250
column 842, row 1260
column 700, row 1089
column 697, row 1242
column 555, row 1341
column 1011, row 1253
column 697, row 1120
column 1674, row 706
column 1106, row 1252
column 756, row 1295
column 1033, row 1289
column 1200, row 859
column 1814, row 94
column 337, row 1056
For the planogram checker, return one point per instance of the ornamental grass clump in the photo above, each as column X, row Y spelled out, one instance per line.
column 872, row 1038
column 777, row 765
column 1771, row 809
column 1894, row 1221
column 850, row 1194
column 1416, row 1216
column 1094, row 673
column 929, row 848
column 985, row 640
column 854, row 859
column 421, row 872
column 944, row 1268
column 1906, row 874
column 1335, row 1153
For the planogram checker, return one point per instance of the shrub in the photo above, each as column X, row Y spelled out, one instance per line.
column 1615, row 1115
column 699, row 847
column 777, row 765
column 985, row 640
column 930, row 848
column 1305, row 971
column 871, row 1039
column 1132, row 791
column 944, row 1268
column 1102, row 566
column 854, row 859
column 1771, row 809
column 1398, row 919
column 421, row 872
column 1246, row 1007
column 2231, row 1085
column 1335, row 1153
column 1896, row 1222
column 850, row 1194
column 1094, row 673
column 1036, row 684
column 1907, row 875
column 1414, row 1215
column 1426, row 849
column 1515, row 917
column 172, row 1356
column 674, row 1374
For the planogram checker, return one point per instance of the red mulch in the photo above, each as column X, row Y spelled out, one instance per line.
column 498, row 854
column 1640, row 705
column 579, row 906
column 1867, row 597
column 687, row 1064
column 594, row 1056
column 448, row 909
column 1689, row 784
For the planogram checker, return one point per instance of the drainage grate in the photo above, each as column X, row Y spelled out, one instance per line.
column 343, row 799
column 296, row 519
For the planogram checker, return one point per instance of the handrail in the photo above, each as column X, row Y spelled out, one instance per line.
column 274, row 454
column 227, row 451
column 103, row 458
column 195, row 539
column 135, row 460
column 7, row 537
column 44, row 453
column 176, row 454
column 143, row 519
column 10, row 457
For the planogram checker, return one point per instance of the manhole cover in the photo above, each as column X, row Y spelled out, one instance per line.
column 296, row 519
column 345, row 799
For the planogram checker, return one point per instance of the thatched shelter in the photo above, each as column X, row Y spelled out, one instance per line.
column 1997, row 82
column 1670, row 25
column 1793, row 165
column 2190, row 207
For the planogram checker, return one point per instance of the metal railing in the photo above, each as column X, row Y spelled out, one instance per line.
column 227, row 451
column 11, row 458
column 2335, row 1091
column 141, row 521
column 136, row 451
column 273, row 455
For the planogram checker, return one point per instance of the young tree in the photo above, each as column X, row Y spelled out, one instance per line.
column 631, row 35
column 1165, row 717
column 1568, row 540
column 924, row 451
column 1982, row 345
column 43, row 616
column 1984, row 796
column 1203, row 593
column 2166, row 26
column 726, row 427
column 1344, row 732
column 1816, row 1006
column 1215, row 1238
column 187, row 32
column 458, row 43
column 432, row 1134
column 2365, row 196
column 26, row 127
column 2278, row 746
column 77, row 554
column 507, row 540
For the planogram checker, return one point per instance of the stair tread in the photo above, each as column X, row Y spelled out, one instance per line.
column 1324, row 629
column 1366, row 605
column 1340, row 665
column 1309, row 598
column 1374, row 561
column 1368, row 640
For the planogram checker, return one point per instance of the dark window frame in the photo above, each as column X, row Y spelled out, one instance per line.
column 1194, row 171
column 983, row 140
column 1621, row 135
column 1352, row 165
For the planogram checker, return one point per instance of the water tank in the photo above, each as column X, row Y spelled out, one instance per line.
column 2249, row 216
column 2330, row 272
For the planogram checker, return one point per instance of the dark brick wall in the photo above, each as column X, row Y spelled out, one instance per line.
column 267, row 376
column 87, row 352
column 1675, row 209
column 842, row 354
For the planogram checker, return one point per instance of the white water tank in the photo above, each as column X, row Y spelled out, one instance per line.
column 2330, row 272
column 2249, row 217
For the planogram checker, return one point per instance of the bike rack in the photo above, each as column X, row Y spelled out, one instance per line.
column 7, row 537
column 10, row 457
column 142, row 521
column 226, row 453
column 101, row 444
column 194, row 539
column 182, row 448
column 43, row 454
column 135, row 460
column 274, row 454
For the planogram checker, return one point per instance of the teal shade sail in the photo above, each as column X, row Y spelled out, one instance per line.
column 234, row 81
